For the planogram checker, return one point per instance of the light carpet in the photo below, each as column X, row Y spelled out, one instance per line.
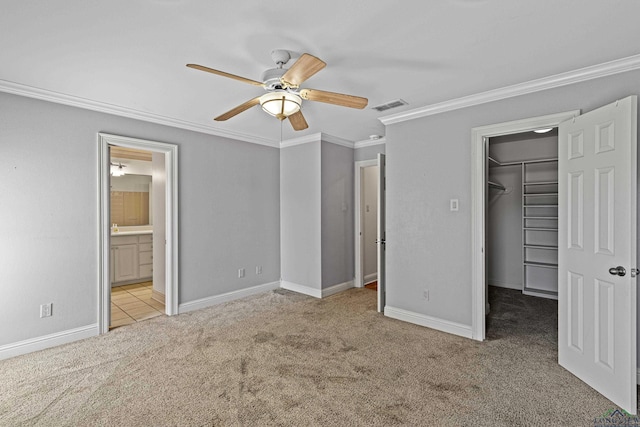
column 284, row 359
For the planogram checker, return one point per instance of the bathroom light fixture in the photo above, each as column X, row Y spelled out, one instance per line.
column 281, row 103
column 544, row 130
column 117, row 169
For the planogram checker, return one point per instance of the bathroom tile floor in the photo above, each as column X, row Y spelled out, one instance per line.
column 133, row 303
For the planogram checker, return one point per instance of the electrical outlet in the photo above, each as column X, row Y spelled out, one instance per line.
column 46, row 310
column 241, row 273
column 425, row 294
column 258, row 269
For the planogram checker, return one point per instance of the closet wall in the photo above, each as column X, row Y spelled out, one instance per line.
column 518, row 253
column 504, row 228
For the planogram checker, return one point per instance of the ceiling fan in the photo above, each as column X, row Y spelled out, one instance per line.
column 284, row 96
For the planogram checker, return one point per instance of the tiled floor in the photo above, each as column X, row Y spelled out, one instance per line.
column 133, row 303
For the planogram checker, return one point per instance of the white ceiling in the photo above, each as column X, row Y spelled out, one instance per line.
column 132, row 53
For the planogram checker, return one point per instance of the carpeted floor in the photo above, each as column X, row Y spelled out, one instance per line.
column 284, row 359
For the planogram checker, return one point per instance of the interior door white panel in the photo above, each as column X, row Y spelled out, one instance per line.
column 597, row 222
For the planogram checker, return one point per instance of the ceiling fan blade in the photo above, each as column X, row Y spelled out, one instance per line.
column 223, row 74
column 305, row 67
column 334, row 98
column 239, row 109
column 298, row 121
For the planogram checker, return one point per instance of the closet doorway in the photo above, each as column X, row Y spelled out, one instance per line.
column 522, row 213
column 482, row 194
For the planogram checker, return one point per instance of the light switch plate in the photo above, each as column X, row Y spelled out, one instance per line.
column 453, row 205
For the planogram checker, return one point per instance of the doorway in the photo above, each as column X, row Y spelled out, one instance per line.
column 361, row 203
column 366, row 194
column 522, row 212
column 137, row 255
column 522, row 234
column 479, row 175
column 165, row 236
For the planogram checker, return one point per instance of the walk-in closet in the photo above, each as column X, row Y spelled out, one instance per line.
column 522, row 213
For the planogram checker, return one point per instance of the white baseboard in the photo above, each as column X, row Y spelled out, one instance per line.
column 301, row 289
column 429, row 322
column 337, row 288
column 158, row 296
column 370, row 278
column 48, row 341
column 499, row 284
column 229, row 296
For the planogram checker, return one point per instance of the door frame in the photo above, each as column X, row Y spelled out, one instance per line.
column 104, row 227
column 479, row 147
column 358, row 237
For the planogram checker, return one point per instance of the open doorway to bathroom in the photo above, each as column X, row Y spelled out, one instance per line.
column 138, row 230
column 137, row 204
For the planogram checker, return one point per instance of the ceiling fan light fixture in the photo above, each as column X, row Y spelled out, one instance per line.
column 280, row 103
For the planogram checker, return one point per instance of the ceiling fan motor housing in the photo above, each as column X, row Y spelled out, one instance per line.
column 280, row 56
column 271, row 78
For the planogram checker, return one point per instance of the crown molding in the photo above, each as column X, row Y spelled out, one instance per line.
column 337, row 140
column 74, row 101
column 576, row 76
column 315, row 137
column 369, row 142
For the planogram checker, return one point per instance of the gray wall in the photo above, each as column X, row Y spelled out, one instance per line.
column 300, row 207
column 228, row 213
column 317, row 214
column 428, row 163
column 337, row 214
column 368, row 153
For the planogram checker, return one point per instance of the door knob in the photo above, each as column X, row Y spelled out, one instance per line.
column 618, row 271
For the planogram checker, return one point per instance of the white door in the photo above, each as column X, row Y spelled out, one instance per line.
column 597, row 239
column 381, row 233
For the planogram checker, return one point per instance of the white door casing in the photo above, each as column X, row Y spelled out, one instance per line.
column 597, row 231
column 381, row 233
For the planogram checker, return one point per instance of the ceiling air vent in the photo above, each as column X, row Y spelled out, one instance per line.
column 390, row 105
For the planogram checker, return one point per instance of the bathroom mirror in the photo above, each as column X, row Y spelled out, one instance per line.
column 130, row 195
